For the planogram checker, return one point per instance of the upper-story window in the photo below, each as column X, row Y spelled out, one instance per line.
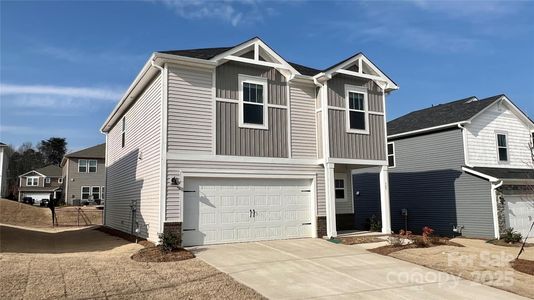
column 252, row 102
column 32, row 181
column 357, row 110
column 87, row 166
column 391, row 155
column 47, row 180
column 502, row 147
column 123, row 132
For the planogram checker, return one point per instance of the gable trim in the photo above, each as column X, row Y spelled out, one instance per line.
column 515, row 110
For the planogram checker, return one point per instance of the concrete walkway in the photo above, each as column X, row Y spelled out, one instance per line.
column 314, row 268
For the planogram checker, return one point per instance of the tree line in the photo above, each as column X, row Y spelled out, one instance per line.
column 28, row 157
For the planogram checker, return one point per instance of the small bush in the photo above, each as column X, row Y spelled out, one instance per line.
column 511, row 236
column 375, row 224
column 168, row 241
column 395, row 240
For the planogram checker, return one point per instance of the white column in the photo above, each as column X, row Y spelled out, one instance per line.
column 331, row 230
column 384, row 200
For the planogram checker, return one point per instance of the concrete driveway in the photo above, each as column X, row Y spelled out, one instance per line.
column 314, row 268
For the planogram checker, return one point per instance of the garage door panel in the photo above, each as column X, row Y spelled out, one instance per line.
column 519, row 213
column 223, row 210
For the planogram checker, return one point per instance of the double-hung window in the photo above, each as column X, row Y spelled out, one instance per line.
column 502, row 147
column 32, row 181
column 252, row 102
column 391, row 155
column 357, row 110
column 86, row 192
column 95, row 192
column 87, row 166
column 47, row 180
column 339, row 189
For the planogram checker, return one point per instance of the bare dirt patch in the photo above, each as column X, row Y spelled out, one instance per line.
column 478, row 261
column 89, row 264
column 157, row 254
column 523, row 265
column 355, row 240
column 21, row 214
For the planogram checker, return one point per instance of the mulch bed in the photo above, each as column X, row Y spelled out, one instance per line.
column 387, row 250
column 505, row 244
column 157, row 254
column 523, row 265
column 354, row 240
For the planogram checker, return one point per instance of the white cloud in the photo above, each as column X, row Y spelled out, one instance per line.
column 235, row 12
column 52, row 90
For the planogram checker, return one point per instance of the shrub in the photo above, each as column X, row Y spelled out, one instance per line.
column 375, row 224
column 395, row 240
column 168, row 241
column 511, row 236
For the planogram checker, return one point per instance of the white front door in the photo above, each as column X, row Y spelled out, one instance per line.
column 520, row 213
column 218, row 210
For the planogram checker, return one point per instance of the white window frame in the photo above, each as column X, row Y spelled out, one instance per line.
column 259, row 81
column 102, row 193
column 89, row 165
column 123, row 132
column 497, row 147
column 344, row 179
column 99, row 192
column 357, row 90
column 32, row 181
column 392, row 155
column 81, row 192
column 47, row 180
column 86, row 165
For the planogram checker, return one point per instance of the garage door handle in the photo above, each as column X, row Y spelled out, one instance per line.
column 250, row 215
column 306, row 223
column 254, row 211
column 189, row 229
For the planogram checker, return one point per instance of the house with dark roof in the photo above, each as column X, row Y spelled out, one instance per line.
column 84, row 174
column 462, row 168
column 233, row 144
column 41, row 184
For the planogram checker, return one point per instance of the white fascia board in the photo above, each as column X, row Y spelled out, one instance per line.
column 429, row 129
column 485, row 176
column 34, row 172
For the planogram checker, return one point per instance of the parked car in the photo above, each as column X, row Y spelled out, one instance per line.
column 44, row 202
column 28, row 200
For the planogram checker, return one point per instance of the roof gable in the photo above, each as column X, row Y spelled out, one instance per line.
column 450, row 113
column 47, row 171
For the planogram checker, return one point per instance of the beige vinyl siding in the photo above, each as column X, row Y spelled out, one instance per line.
column 175, row 196
column 190, row 113
column 336, row 92
column 354, row 145
column 319, row 132
column 133, row 172
column 227, row 81
column 76, row 180
column 235, row 140
column 303, row 126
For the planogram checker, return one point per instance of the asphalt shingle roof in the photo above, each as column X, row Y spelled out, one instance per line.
column 442, row 114
column 209, row 53
column 50, row 170
column 506, row 173
column 98, row 151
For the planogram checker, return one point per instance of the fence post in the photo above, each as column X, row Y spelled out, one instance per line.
column 78, row 217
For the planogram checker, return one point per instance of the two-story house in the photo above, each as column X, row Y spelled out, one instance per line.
column 233, row 144
column 463, row 167
column 84, row 174
column 41, row 183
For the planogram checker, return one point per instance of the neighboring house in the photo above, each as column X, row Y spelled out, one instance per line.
column 235, row 144
column 85, row 175
column 3, row 170
column 41, row 183
column 463, row 167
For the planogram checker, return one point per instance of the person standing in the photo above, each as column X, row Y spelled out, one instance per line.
column 52, row 206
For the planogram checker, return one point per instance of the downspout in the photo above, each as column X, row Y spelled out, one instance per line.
column 466, row 147
column 494, row 199
column 163, row 145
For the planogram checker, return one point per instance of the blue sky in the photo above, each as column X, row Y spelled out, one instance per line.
column 64, row 65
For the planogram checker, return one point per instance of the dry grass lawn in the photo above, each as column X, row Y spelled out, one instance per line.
column 20, row 214
column 89, row 264
column 477, row 261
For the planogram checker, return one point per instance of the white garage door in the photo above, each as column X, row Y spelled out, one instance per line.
column 37, row 196
column 520, row 213
column 220, row 210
